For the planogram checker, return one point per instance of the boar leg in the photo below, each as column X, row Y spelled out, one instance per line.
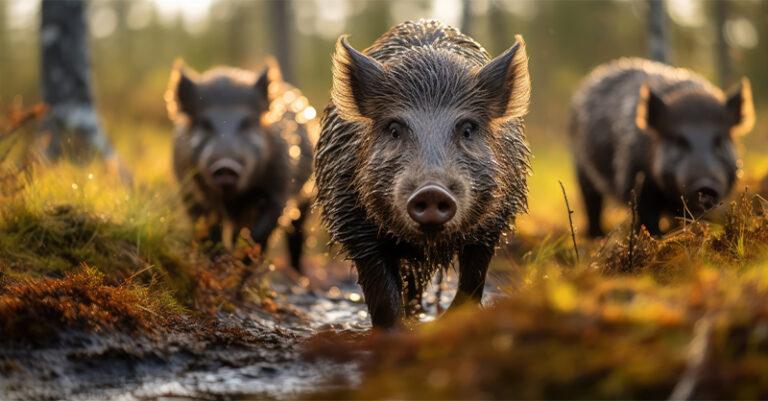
column 413, row 292
column 649, row 208
column 380, row 280
column 266, row 223
column 196, row 210
column 296, row 237
column 593, row 201
column 473, row 265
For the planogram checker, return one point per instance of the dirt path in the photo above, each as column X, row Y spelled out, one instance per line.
column 267, row 362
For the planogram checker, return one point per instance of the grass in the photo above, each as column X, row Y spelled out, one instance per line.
column 144, row 265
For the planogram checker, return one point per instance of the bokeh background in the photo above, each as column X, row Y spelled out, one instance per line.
column 134, row 45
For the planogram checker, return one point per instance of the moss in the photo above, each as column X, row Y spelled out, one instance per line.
column 35, row 309
column 689, row 308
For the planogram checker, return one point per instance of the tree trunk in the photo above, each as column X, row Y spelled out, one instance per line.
column 723, row 52
column 281, row 20
column 466, row 17
column 658, row 42
column 72, row 127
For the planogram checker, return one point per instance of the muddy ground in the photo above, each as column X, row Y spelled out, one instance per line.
column 263, row 359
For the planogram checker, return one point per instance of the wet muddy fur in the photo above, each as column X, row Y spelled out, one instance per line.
column 242, row 149
column 390, row 130
column 663, row 131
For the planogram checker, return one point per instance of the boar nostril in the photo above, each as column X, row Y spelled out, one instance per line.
column 431, row 207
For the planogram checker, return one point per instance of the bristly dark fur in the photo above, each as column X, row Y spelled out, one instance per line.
column 429, row 68
column 275, row 175
column 615, row 141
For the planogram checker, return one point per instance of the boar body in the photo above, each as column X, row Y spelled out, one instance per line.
column 665, row 132
column 243, row 152
column 422, row 157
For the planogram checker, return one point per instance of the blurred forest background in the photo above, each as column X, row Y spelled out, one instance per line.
column 134, row 44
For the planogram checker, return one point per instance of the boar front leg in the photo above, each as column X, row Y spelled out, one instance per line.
column 295, row 238
column 382, row 288
column 473, row 266
column 266, row 223
column 649, row 206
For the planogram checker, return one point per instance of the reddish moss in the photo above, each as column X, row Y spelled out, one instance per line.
column 33, row 309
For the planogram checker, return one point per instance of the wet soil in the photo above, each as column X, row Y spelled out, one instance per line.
column 247, row 354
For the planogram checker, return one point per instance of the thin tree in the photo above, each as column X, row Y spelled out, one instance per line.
column 723, row 52
column 281, row 20
column 658, row 42
column 72, row 125
column 466, row 17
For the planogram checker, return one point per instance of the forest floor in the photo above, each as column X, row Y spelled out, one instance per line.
column 106, row 294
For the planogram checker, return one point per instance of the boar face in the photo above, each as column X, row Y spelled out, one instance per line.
column 693, row 134
column 428, row 167
column 224, row 129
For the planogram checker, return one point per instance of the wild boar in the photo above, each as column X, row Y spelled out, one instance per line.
column 422, row 156
column 638, row 118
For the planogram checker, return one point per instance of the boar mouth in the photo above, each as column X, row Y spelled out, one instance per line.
column 704, row 195
column 226, row 173
column 707, row 198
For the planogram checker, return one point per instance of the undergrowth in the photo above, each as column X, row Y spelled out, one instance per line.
column 34, row 309
column 683, row 316
column 144, row 266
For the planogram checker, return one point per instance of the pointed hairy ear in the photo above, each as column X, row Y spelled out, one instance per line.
column 741, row 111
column 507, row 82
column 182, row 96
column 356, row 82
column 650, row 110
column 265, row 90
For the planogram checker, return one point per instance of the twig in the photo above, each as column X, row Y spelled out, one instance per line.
column 570, row 221
column 439, row 292
column 698, row 351
column 687, row 210
column 632, row 229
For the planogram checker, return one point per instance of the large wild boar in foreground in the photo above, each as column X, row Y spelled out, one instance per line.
column 242, row 151
column 422, row 156
column 666, row 131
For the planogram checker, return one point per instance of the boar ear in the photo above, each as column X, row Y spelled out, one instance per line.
column 182, row 96
column 741, row 111
column 507, row 82
column 356, row 82
column 263, row 85
column 650, row 110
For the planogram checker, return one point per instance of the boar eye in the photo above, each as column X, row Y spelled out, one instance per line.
column 681, row 142
column 466, row 129
column 205, row 124
column 245, row 124
column 394, row 129
column 719, row 141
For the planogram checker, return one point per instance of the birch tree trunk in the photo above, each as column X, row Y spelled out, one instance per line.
column 72, row 127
